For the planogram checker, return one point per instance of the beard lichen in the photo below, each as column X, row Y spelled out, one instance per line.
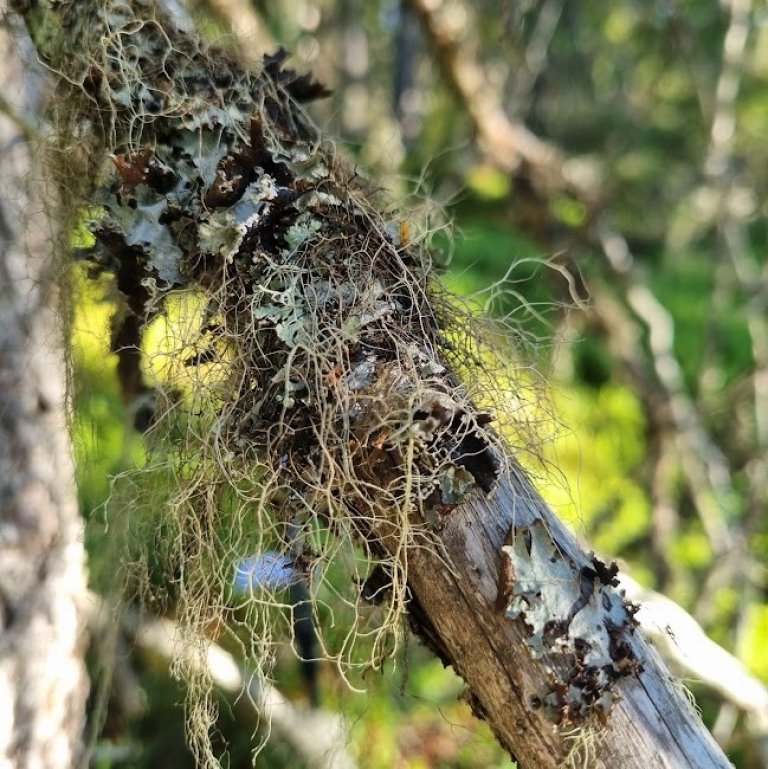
column 320, row 418
column 327, row 414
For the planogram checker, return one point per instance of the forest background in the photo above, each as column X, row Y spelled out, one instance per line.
column 605, row 170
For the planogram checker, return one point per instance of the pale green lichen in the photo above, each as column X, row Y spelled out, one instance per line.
column 302, row 230
column 571, row 612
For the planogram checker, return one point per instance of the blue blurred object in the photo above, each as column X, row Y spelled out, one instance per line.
column 274, row 571
column 269, row 570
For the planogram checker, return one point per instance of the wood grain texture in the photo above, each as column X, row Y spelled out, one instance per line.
column 653, row 725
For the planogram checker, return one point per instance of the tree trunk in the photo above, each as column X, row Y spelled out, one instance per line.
column 43, row 683
column 346, row 383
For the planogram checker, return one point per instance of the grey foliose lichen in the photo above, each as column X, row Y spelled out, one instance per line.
column 575, row 619
column 318, row 305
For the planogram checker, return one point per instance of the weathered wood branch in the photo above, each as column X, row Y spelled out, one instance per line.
column 343, row 379
column 690, row 653
column 652, row 724
column 43, row 683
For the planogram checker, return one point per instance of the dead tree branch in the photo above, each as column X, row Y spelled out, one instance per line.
column 342, row 388
column 690, row 653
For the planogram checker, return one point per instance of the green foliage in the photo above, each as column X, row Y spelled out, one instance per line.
column 104, row 445
column 600, row 456
column 755, row 640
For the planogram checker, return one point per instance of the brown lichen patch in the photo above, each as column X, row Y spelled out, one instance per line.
column 573, row 615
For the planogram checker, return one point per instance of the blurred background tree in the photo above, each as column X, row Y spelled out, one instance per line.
column 605, row 168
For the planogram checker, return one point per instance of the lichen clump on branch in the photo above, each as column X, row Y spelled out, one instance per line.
column 325, row 322
column 322, row 409
column 574, row 618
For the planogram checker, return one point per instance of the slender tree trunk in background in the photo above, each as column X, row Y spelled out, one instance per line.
column 43, row 682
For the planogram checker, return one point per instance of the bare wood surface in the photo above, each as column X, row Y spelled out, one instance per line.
column 689, row 652
column 653, row 725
